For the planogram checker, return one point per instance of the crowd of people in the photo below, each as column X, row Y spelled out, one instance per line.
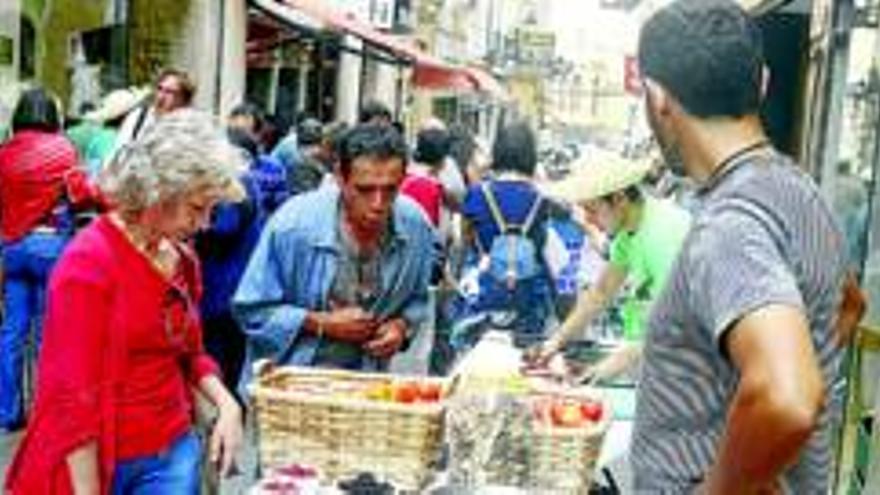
column 156, row 254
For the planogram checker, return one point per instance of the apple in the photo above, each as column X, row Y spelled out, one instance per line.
column 591, row 411
column 567, row 415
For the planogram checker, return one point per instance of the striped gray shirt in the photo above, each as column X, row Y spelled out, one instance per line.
column 763, row 236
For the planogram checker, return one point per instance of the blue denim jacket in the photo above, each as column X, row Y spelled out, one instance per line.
column 294, row 265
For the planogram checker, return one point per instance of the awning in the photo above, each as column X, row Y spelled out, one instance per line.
column 428, row 71
column 289, row 16
column 487, row 83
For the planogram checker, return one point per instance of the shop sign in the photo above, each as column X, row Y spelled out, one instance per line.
column 7, row 50
column 535, row 45
column 378, row 13
column 360, row 9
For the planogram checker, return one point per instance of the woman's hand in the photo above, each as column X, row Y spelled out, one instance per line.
column 226, row 437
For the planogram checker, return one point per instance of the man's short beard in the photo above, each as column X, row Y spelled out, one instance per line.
column 671, row 152
column 672, row 156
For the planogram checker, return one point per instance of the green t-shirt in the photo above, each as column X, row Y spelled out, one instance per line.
column 94, row 144
column 646, row 256
column 103, row 144
column 81, row 135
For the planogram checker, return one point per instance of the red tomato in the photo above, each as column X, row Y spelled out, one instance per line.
column 429, row 392
column 591, row 411
column 406, row 392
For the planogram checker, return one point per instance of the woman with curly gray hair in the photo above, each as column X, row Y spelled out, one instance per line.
column 122, row 346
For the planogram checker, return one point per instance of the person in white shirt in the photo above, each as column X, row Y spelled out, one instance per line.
column 174, row 89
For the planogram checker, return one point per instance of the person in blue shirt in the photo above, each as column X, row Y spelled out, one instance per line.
column 340, row 275
column 519, row 203
column 268, row 172
column 224, row 249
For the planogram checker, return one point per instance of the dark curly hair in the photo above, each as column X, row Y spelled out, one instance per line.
column 370, row 140
column 708, row 54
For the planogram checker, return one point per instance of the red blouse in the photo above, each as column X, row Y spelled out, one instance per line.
column 35, row 169
column 121, row 345
column 427, row 191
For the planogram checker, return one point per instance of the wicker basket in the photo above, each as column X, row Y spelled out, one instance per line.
column 316, row 416
column 495, row 441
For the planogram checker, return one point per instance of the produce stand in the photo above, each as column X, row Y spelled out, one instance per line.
column 492, row 434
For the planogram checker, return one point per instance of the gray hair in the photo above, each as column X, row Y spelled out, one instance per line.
column 181, row 153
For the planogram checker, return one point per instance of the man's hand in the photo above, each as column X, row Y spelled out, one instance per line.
column 622, row 359
column 589, row 304
column 708, row 487
column 539, row 355
column 350, row 324
column 389, row 338
column 226, row 437
column 850, row 312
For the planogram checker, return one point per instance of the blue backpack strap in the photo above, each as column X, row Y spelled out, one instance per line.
column 494, row 208
column 487, row 193
column 503, row 225
column 533, row 213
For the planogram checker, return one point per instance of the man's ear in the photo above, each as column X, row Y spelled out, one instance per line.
column 657, row 98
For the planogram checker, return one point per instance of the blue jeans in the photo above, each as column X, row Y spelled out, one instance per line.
column 173, row 471
column 27, row 264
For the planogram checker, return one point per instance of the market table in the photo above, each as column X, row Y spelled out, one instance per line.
column 609, row 456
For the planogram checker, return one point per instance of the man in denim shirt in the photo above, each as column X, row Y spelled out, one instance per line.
column 339, row 277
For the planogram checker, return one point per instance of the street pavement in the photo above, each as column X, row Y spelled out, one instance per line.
column 7, row 449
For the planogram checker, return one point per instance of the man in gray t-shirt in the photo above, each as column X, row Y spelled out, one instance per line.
column 740, row 357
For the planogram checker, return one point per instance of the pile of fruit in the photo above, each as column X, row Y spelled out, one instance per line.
column 405, row 392
column 294, row 479
column 566, row 412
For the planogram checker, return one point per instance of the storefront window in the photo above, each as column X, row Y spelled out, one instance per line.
column 76, row 50
column 854, row 193
column 27, row 51
column 849, row 186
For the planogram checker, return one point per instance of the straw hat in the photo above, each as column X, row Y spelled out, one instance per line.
column 598, row 174
column 116, row 104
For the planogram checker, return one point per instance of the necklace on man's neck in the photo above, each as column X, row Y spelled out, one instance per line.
column 734, row 159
